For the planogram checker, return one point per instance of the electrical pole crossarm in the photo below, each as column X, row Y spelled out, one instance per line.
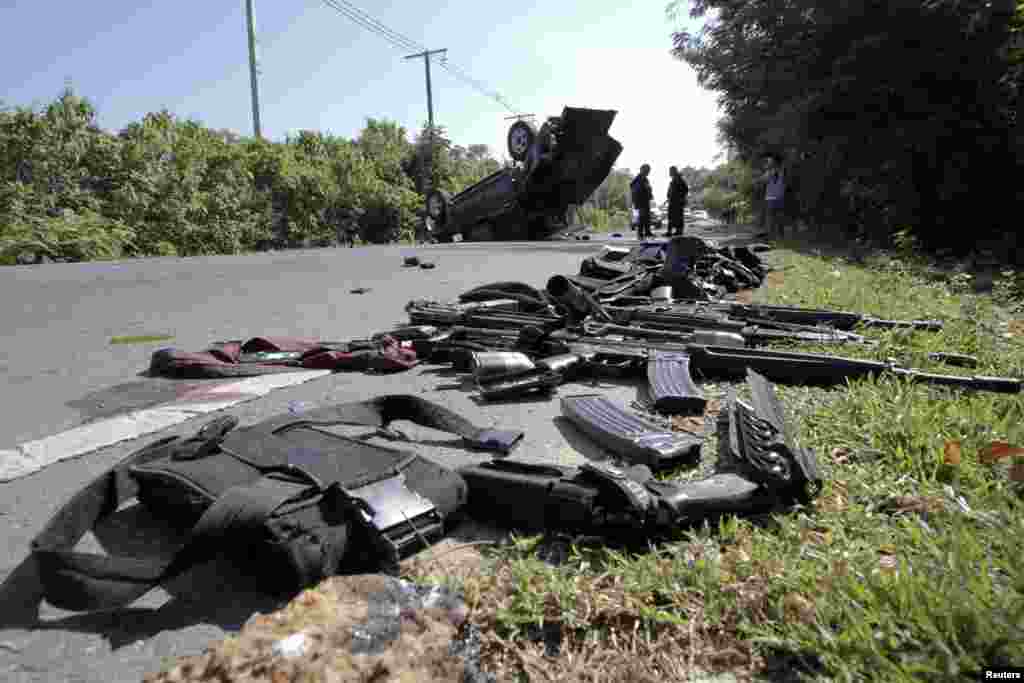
column 425, row 55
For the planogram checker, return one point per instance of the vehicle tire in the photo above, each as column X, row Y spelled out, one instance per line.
column 520, row 136
column 437, row 206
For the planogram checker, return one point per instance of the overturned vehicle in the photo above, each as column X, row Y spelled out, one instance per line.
column 557, row 166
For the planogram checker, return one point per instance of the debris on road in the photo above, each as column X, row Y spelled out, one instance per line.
column 265, row 355
column 141, row 338
column 360, row 290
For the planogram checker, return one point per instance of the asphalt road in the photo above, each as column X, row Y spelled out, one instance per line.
column 59, row 321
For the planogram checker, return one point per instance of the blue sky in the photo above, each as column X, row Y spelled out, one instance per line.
column 320, row 70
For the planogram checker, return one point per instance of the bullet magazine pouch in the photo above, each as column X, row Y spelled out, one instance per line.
column 285, row 488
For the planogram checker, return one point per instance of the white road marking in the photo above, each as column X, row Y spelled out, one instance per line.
column 33, row 456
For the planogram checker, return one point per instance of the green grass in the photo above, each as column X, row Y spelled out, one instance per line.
column 141, row 338
column 603, row 220
column 886, row 577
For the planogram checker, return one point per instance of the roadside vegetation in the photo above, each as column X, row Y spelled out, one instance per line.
column 891, row 118
column 905, row 568
column 165, row 186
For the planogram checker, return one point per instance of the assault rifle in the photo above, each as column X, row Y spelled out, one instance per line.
column 760, row 468
column 765, row 314
column 754, row 335
column 669, row 364
column 750, row 335
column 498, row 314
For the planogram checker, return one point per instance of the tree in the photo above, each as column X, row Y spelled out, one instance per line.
column 887, row 114
column 434, row 170
column 386, row 145
column 613, row 192
column 166, row 186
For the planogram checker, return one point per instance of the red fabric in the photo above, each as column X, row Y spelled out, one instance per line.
column 258, row 344
column 228, row 352
column 390, row 357
column 200, row 358
column 384, row 355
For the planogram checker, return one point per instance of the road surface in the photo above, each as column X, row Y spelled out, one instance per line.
column 56, row 354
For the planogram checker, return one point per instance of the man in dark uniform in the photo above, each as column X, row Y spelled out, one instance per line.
column 678, row 191
column 642, row 195
column 348, row 229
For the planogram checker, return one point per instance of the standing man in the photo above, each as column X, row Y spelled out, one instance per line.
column 678, row 191
column 640, row 190
column 774, row 194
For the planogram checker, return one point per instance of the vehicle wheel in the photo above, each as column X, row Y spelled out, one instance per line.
column 520, row 136
column 437, row 206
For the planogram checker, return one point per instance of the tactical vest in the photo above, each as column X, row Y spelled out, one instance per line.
column 286, row 487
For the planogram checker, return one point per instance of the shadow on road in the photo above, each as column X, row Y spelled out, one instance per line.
column 222, row 592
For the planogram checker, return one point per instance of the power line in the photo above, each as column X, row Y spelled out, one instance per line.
column 367, row 21
column 480, row 87
column 396, row 39
column 406, row 44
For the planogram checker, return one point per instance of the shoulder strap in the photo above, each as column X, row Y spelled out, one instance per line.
column 382, row 411
column 84, row 581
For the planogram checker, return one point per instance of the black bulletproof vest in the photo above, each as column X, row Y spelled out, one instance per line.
column 314, row 499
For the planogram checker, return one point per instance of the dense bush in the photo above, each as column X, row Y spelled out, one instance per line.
column 162, row 186
column 603, row 220
column 889, row 115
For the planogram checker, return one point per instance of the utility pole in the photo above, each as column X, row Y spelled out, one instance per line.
column 428, row 167
column 253, row 68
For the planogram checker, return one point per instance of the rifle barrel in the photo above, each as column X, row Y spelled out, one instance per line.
column 790, row 366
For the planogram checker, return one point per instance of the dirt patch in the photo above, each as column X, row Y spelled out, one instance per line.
column 696, row 424
column 452, row 559
column 352, row 628
column 774, row 279
column 745, row 296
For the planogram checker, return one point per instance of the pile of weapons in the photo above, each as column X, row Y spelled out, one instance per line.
column 517, row 340
column 712, row 270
